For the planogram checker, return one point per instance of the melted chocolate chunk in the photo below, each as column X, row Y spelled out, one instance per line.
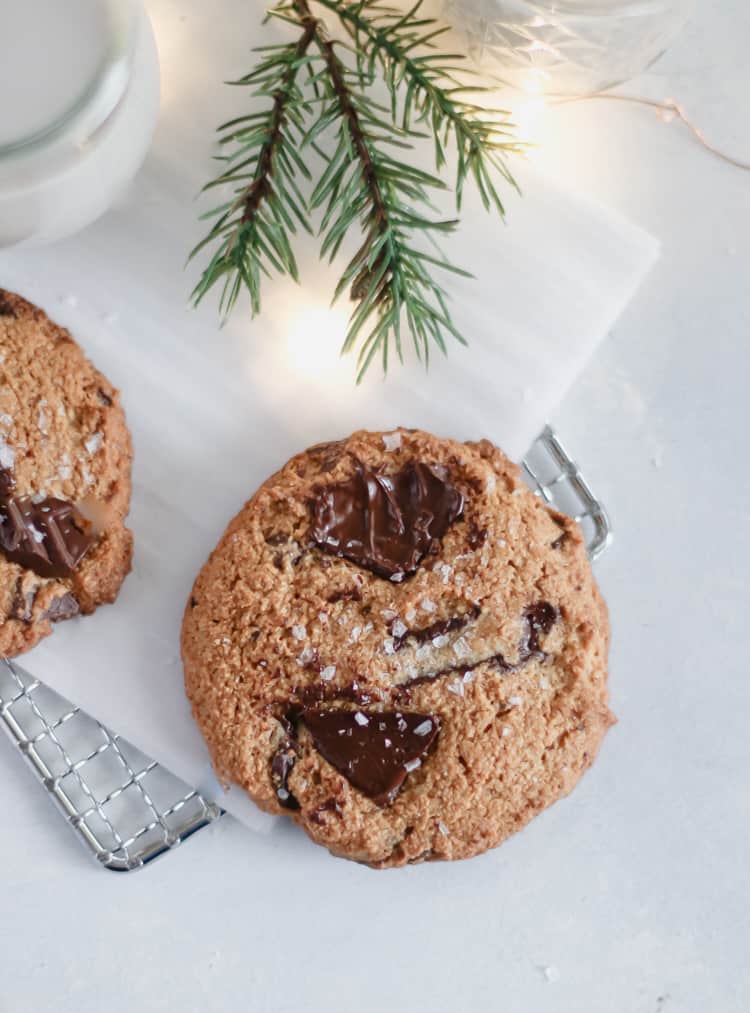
column 329, row 806
column 374, row 751
column 386, row 523
column 6, row 309
column 64, row 607
column 7, row 483
column 559, row 542
column 281, row 767
column 22, row 604
column 48, row 537
column 540, row 618
column 277, row 538
column 477, row 536
column 345, row 594
column 440, row 628
column 104, row 397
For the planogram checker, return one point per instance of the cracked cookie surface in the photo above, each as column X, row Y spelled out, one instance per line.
column 65, row 459
column 399, row 646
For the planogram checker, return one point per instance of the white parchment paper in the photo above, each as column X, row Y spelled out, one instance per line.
column 213, row 411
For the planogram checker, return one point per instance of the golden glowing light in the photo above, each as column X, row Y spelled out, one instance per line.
column 313, row 334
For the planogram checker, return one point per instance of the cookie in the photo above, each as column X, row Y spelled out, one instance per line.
column 65, row 458
column 399, row 646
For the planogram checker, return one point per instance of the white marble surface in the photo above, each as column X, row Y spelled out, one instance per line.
column 630, row 896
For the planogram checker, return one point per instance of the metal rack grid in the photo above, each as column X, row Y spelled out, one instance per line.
column 126, row 808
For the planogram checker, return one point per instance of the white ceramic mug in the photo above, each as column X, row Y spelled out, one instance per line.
column 79, row 100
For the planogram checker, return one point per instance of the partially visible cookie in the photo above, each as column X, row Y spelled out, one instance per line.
column 65, row 459
column 398, row 645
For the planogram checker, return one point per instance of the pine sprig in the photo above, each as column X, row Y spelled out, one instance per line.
column 426, row 89
column 363, row 187
column 253, row 229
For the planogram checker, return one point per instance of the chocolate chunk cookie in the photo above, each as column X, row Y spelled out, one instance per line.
column 399, row 646
column 65, row 457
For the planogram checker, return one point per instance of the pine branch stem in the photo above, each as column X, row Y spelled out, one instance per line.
column 260, row 187
column 348, row 111
column 385, row 44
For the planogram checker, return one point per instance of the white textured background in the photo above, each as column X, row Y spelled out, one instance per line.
column 634, row 892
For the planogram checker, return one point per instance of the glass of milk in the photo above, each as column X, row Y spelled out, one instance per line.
column 79, row 99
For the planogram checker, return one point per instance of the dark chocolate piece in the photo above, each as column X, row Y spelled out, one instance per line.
column 540, row 618
column 64, row 607
column 277, row 538
column 104, row 397
column 440, row 628
column 48, row 537
column 374, row 751
column 6, row 308
column 386, row 523
column 329, row 806
column 22, row 604
column 281, row 767
column 477, row 536
column 345, row 594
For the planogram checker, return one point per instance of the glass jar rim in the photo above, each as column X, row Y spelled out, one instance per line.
column 609, row 7
column 98, row 99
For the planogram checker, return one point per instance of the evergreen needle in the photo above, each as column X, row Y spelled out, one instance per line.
column 317, row 97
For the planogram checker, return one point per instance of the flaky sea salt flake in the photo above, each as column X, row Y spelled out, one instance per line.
column 361, row 719
column 7, row 455
column 94, row 442
column 299, row 632
column 411, row 765
column 389, row 645
column 424, row 728
column 460, row 648
column 327, row 673
column 428, row 605
column 392, row 441
column 442, row 828
column 398, row 629
column 440, row 640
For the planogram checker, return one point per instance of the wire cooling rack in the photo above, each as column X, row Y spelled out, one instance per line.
column 126, row 808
